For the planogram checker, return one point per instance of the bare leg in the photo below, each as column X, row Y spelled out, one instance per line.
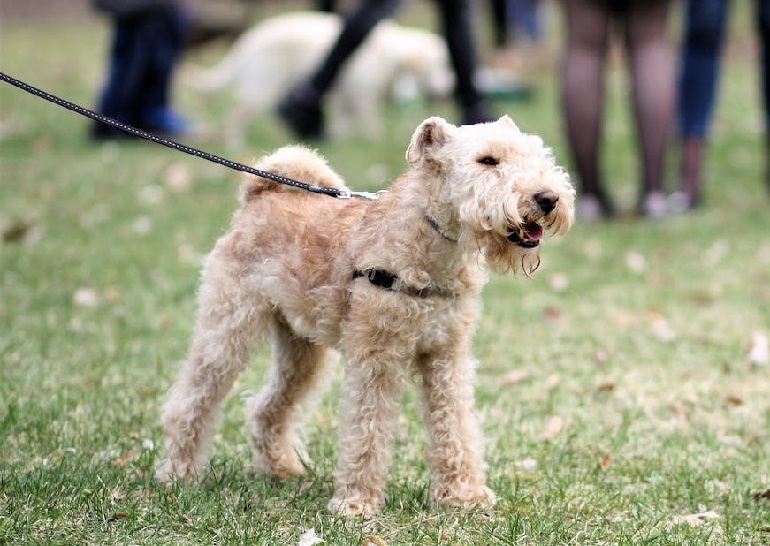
column 298, row 366
column 456, row 453
column 650, row 52
column 582, row 94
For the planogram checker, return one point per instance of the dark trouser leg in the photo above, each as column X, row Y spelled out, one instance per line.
column 302, row 109
column 456, row 24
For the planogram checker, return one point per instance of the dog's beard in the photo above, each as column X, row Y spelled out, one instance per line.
column 512, row 253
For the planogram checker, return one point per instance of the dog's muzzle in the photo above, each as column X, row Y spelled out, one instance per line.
column 528, row 234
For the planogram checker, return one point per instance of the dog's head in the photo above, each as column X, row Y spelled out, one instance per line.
column 503, row 187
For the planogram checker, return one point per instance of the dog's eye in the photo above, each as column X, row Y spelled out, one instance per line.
column 489, row 160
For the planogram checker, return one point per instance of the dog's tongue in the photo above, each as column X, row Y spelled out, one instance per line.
column 533, row 231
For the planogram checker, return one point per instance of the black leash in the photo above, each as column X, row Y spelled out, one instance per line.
column 333, row 192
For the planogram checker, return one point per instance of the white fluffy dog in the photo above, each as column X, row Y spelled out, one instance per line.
column 267, row 61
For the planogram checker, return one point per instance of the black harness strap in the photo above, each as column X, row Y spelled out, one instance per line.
column 377, row 277
column 388, row 281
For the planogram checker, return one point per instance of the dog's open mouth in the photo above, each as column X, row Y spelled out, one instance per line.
column 527, row 235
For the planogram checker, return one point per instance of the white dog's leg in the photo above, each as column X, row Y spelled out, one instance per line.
column 369, row 405
column 220, row 349
column 298, row 367
column 456, row 453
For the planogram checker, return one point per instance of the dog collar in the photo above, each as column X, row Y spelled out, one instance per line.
column 438, row 229
column 390, row 281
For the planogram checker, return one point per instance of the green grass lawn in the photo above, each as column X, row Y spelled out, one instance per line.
column 615, row 388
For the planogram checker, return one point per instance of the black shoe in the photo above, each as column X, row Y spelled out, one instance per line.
column 302, row 113
column 103, row 132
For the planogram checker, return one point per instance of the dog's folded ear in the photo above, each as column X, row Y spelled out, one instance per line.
column 432, row 133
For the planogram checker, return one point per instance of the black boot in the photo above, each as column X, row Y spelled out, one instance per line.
column 477, row 113
column 302, row 112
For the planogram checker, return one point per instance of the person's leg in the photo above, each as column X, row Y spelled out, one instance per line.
column 703, row 36
column 164, row 35
column 650, row 52
column 302, row 110
column 329, row 6
column 458, row 31
column 124, row 82
column 498, row 17
column 763, row 28
column 582, row 96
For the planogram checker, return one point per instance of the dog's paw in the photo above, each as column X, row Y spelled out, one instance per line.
column 463, row 497
column 353, row 504
column 280, row 464
column 280, row 470
column 168, row 470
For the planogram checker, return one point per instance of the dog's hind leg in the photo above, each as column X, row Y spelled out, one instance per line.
column 298, row 367
column 456, row 453
column 228, row 326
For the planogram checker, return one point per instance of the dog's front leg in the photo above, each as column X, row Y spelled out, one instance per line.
column 456, row 453
column 369, row 407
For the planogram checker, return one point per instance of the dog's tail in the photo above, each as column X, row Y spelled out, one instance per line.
column 208, row 80
column 297, row 162
column 223, row 73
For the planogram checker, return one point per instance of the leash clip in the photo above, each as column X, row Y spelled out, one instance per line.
column 372, row 196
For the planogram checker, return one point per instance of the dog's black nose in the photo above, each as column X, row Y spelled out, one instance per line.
column 547, row 200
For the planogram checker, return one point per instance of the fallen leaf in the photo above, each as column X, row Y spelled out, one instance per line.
column 118, row 516
column 552, row 313
column 607, row 386
column 552, row 427
column 759, row 352
column 734, row 400
column 85, row 297
column 516, row 376
column 604, row 462
column 681, row 412
column 600, row 357
column 635, row 262
column 151, row 195
column 695, row 520
column 125, row 458
column 16, row 233
column 527, row 464
column 761, row 495
column 177, row 177
column 373, row 540
column 308, row 538
column 559, row 282
column 552, row 380
column 142, row 225
column 663, row 330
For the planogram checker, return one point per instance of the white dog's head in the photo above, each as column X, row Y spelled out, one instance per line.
column 502, row 186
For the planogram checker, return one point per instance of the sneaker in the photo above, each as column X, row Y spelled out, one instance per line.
column 167, row 122
column 302, row 113
column 588, row 209
column 592, row 208
column 655, row 205
column 679, row 202
column 101, row 132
